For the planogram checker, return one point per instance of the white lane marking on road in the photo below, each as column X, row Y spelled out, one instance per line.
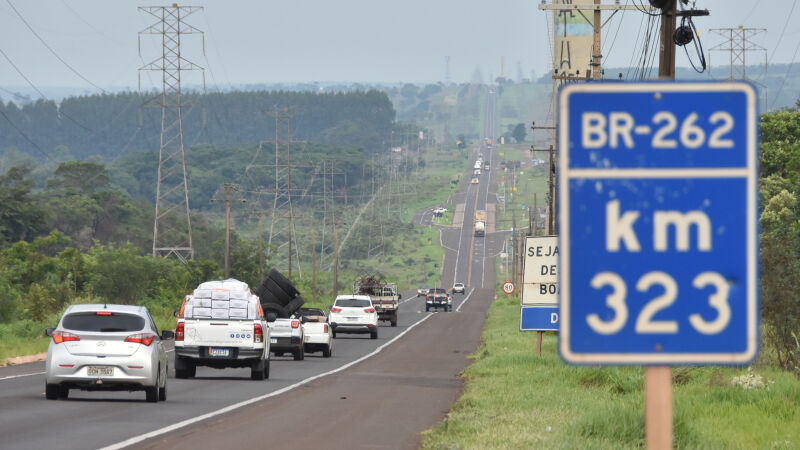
column 441, row 244
column 486, row 206
column 21, row 375
column 465, row 300
column 187, row 422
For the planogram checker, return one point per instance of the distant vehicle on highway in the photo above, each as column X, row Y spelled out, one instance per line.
column 478, row 164
column 486, row 166
column 317, row 331
column 440, row 210
column 438, row 298
column 476, row 172
column 423, row 289
column 459, row 288
column 475, row 181
column 354, row 314
column 480, row 223
column 106, row 347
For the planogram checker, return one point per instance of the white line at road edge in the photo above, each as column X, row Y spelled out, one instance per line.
column 465, row 300
column 20, row 376
column 187, row 422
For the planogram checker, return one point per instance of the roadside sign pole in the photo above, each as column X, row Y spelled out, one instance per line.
column 658, row 379
column 658, row 407
column 539, row 335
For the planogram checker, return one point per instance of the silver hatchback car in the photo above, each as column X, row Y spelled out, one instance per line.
column 106, row 347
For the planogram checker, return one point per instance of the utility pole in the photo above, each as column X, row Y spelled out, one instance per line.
column 335, row 257
column 229, row 188
column 172, row 191
column 666, row 60
column 314, row 266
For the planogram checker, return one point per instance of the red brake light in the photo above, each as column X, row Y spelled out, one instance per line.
column 369, row 310
column 326, row 328
column 336, row 309
column 64, row 336
column 141, row 338
column 179, row 332
column 258, row 333
column 103, row 313
column 295, row 324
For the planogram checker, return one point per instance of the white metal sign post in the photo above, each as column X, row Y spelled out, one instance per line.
column 658, row 224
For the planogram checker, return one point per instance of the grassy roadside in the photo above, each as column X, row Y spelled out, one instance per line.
column 514, row 399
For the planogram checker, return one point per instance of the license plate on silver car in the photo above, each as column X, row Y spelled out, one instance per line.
column 219, row 352
column 100, row 371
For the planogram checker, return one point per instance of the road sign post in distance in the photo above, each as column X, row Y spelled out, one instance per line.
column 658, row 223
column 539, row 309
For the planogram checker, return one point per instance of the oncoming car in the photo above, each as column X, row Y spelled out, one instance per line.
column 354, row 314
column 475, row 181
column 106, row 347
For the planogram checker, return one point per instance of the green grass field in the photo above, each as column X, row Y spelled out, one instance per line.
column 514, row 399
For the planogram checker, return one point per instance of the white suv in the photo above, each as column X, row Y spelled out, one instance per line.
column 459, row 288
column 354, row 314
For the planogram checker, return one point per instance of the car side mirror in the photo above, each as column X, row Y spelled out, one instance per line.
column 176, row 313
column 271, row 316
column 329, row 307
column 399, row 296
column 49, row 331
column 167, row 334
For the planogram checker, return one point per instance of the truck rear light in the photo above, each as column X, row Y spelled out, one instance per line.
column 295, row 324
column 141, row 338
column 369, row 310
column 64, row 336
column 103, row 313
column 336, row 309
column 326, row 328
column 66, row 365
column 179, row 332
column 258, row 333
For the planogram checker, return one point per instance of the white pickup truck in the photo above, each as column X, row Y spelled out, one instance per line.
column 222, row 325
column 286, row 336
column 318, row 333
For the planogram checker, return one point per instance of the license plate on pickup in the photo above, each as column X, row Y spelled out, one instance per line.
column 273, row 340
column 100, row 371
column 219, row 352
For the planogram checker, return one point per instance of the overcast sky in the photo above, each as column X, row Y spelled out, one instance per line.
column 266, row 41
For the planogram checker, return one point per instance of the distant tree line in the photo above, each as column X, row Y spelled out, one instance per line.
column 104, row 127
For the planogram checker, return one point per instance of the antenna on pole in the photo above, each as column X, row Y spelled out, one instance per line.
column 172, row 233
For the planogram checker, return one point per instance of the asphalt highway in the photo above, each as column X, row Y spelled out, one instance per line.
column 371, row 393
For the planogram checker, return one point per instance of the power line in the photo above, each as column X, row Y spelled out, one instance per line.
column 788, row 71
column 785, row 24
column 22, row 133
column 51, row 49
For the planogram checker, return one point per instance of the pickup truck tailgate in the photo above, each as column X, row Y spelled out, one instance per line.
column 237, row 333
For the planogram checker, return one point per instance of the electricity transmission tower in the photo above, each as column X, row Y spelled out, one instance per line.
column 738, row 42
column 446, row 70
column 282, row 232
column 172, row 232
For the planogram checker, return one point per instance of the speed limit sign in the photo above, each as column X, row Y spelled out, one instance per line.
column 508, row 287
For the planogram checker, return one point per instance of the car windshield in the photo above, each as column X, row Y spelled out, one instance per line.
column 352, row 303
column 107, row 322
column 459, row 284
column 438, row 291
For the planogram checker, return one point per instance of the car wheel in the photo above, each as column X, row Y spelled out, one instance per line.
column 333, row 334
column 373, row 334
column 162, row 392
column 273, row 293
column 294, row 305
column 151, row 392
column 327, row 351
column 266, row 368
column 278, row 354
column 257, row 370
column 299, row 355
column 183, row 368
column 51, row 391
column 283, row 283
column 427, row 309
column 279, row 310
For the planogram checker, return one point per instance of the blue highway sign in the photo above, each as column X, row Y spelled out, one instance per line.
column 658, row 223
column 539, row 318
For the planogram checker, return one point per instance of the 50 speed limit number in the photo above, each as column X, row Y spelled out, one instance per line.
column 658, row 223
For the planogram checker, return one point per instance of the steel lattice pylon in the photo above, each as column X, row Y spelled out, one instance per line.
column 172, row 231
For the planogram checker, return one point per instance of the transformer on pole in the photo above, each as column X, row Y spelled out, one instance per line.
column 172, row 231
